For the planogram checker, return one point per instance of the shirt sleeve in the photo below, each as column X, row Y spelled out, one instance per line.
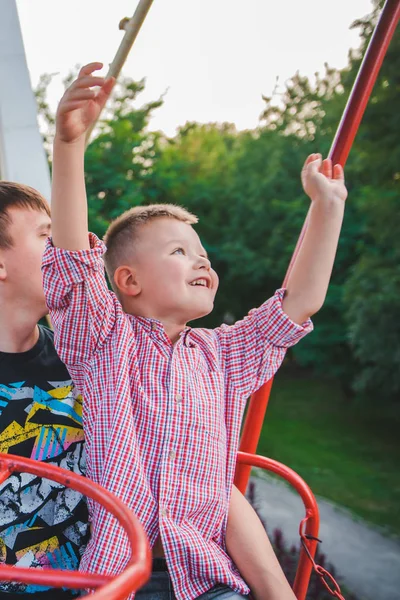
column 253, row 349
column 82, row 309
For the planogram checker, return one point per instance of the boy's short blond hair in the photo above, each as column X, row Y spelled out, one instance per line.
column 120, row 236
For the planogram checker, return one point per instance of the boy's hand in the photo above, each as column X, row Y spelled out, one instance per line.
column 321, row 182
column 80, row 106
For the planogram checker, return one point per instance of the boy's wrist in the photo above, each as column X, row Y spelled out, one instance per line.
column 62, row 142
column 330, row 201
column 323, row 209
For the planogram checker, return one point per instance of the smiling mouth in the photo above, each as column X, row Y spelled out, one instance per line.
column 200, row 283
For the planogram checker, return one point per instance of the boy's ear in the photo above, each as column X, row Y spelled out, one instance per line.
column 126, row 280
column 3, row 271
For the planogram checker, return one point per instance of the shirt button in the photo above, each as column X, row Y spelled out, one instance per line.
column 154, row 326
column 172, row 455
column 178, row 398
column 164, row 512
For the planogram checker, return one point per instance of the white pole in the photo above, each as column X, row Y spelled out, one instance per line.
column 22, row 155
column 132, row 27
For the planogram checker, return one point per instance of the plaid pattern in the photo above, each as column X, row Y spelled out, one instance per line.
column 161, row 421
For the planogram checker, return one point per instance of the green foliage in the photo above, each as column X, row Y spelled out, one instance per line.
column 372, row 291
column 373, row 298
column 356, row 334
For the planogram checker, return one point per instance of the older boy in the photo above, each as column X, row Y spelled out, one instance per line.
column 163, row 402
column 42, row 524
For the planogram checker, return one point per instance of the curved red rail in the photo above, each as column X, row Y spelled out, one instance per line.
column 139, row 567
column 113, row 588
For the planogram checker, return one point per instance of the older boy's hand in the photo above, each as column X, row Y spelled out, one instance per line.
column 321, row 181
column 81, row 105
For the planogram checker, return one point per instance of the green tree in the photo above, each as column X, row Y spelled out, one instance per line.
column 342, row 343
column 373, row 287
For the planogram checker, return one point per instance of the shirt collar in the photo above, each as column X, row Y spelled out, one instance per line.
column 186, row 337
column 155, row 327
column 150, row 325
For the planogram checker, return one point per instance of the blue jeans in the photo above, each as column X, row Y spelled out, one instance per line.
column 160, row 588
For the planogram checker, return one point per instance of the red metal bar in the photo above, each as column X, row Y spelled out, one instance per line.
column 4, row 474
column 251, row 432
column 115, row 588
column 339, row 152
column 365, row 82
column 304, row 568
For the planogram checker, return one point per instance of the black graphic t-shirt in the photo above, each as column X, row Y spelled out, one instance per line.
column 42, row 523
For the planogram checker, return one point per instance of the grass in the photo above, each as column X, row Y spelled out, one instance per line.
column 346, row 451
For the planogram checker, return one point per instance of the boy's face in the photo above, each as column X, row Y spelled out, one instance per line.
column 21, row 272
column 176, row 279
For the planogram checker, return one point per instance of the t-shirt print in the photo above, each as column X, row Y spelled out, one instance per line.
column 42, row 523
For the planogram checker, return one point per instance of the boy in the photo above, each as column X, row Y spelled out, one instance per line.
column 42, row 524
column 163, row 402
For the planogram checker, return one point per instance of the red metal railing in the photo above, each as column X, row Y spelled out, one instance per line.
column 138, row 569
column 339, row 152
column 113, row 588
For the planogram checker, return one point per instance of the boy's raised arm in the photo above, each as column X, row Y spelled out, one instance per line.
column 309, row 278
column 78, row 109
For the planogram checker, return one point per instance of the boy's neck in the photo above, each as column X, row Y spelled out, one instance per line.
column 19, row 332
column 173, row 331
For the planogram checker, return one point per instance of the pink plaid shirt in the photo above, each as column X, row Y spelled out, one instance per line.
column 161, row 421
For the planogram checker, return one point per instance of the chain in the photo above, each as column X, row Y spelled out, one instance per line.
column 327, row 579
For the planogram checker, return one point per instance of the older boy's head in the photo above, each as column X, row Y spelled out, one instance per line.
column 24, row 227
column 16, row 197
column 157, row 264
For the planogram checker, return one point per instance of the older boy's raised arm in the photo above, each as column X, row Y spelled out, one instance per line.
column 309, row 278
column 78, row 110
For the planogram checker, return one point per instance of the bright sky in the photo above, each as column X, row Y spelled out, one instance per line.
column 215, row 57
